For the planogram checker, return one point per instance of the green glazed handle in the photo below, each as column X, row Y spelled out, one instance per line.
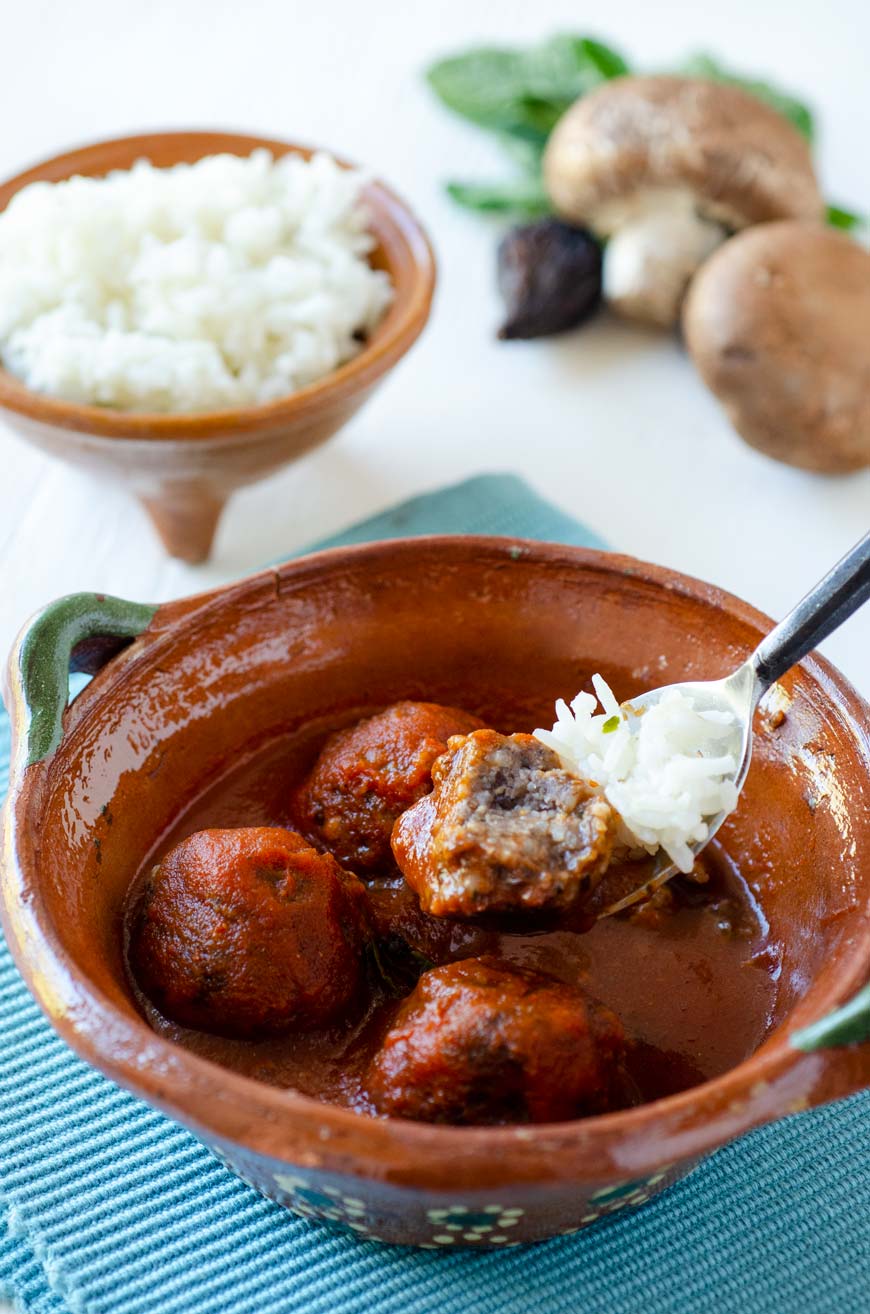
column 847, row 1025
column 80, row 632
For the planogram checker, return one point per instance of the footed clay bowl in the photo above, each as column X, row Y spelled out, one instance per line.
column 185, row 689
column 182, row 468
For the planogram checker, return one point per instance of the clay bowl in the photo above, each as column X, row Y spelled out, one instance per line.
column 182, row 468
column 460, row 620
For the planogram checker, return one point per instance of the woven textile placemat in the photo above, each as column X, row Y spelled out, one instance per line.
column 109, row 1208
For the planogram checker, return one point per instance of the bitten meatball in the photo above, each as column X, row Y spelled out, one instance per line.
column 249, row 933
column 505, row 827
column 367, row 775
column 482, row 1042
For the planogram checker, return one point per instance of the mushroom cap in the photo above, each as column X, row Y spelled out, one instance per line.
column 777, row 322
column 741, row 160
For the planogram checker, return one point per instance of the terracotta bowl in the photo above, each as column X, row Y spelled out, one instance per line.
column 182, row 468
column 194, row 685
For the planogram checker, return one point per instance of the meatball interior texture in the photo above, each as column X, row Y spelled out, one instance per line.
column 481, row 1042
column 505, row 828
column 250, row 932
column 367, row 775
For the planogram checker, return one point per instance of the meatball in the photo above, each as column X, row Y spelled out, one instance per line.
column 367, row 775
column 250, row 932
column 483, row 1042
column 505, row 827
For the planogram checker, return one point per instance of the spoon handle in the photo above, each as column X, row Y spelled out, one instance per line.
column 842, row 591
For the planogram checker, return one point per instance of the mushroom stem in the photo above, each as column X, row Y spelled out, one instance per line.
column 649, row 261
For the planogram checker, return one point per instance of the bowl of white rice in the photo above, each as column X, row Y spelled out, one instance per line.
column 187, row 312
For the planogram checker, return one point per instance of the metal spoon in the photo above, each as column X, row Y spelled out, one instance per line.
column 833, row 600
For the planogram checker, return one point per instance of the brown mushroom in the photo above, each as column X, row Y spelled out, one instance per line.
column 778, row 323
column 665, row 167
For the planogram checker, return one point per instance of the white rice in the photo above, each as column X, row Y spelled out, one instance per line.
column 666, row 781
column 228, row 282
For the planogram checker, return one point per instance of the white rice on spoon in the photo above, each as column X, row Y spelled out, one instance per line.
column 666, row 780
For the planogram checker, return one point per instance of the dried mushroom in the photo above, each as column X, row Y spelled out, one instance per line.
column 549, row 275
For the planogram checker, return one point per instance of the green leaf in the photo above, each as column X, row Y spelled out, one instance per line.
column 524, row 197
column 846, row 1026
column 608, row 61
column 488, row 86
column 798, row 113
column 396, row 965
column 611, row 724
column 566, row 67
column 848, row 220
column 523, row 93
column 528, row 155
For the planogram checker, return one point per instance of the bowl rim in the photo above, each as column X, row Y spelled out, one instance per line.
column 402, row 324
column 248, row 1114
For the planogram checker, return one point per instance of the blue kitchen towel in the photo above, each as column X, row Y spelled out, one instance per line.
column 111, row 1209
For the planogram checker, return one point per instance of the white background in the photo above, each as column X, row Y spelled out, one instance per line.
column 610, row 422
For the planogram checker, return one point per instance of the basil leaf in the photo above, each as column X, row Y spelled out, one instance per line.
column 523, row 197
column 704, row 66
column 523, row 93
column 608, row 61
column 526, row 154
column 848, row 220
column 566, row 67
column 489, row 87
column 396, row 965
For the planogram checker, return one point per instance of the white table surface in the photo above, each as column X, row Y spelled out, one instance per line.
column 609, row 422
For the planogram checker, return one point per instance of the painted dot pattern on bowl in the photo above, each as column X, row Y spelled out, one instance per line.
column 498, row 1224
